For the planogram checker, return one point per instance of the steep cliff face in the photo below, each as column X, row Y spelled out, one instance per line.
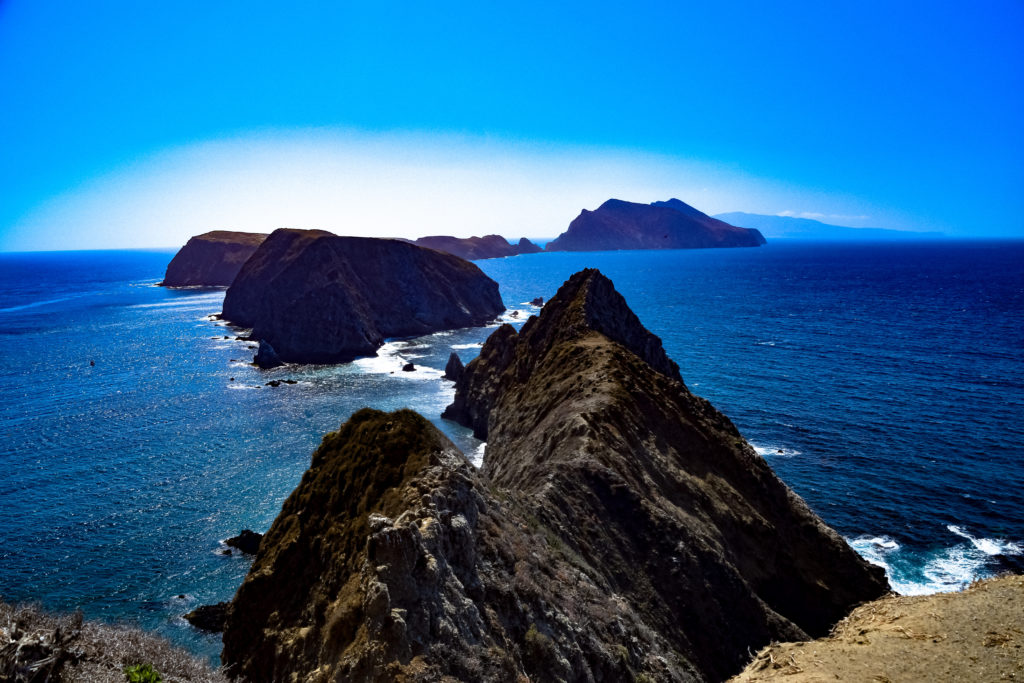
column 663, row 225
column 320, row 298
column 212, row 259
column 474, row 248
column 393, row 560
column 620, row 529
column 586, row 417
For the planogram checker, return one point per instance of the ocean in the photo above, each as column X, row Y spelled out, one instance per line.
column 883, row 382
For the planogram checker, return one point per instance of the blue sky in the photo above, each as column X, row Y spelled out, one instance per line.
column 126, row 124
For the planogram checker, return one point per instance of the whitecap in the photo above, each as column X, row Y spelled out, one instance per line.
column 775, row 450
column 477, row 456
column 988, row 546
column 474, row 345
column 238, row 387
column 939, row 571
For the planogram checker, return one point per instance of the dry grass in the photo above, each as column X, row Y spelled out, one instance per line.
column 37, row 647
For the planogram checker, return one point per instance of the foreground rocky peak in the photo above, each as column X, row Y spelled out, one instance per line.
column 651, row 484
column 620, row 529
column 212, row 259
column 394, row 560
column 618, row 224
column 320, row 298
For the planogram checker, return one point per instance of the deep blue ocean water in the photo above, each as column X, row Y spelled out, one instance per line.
column 883, row 382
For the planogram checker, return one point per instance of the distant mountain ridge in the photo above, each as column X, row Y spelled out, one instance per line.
column 476, row 248
column 619, row 224
column 789, row 227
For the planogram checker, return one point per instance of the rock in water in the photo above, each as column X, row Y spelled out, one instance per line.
column 212, row 259
column 320, row 298
column 454, row 367
column 620, row 529
column 266, row 357
column 248, row 541
column 208, row 617
column 525, row 246
column 663, row 225
column 409, row 367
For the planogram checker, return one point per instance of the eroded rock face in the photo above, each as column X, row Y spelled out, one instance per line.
column 319, row 298
column 620, row 528
column 475, row 248
column 663, row 225
column 212, row 259
column 588, row 419
column 393, row 560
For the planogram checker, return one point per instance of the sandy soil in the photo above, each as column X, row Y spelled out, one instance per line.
column 976, row 635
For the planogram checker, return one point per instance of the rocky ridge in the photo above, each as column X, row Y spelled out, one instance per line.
column 212, row 259
column 617, row 224
column 620, row 529
column 316, row 297
column 474, row 248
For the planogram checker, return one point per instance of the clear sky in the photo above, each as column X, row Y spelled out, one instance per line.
column 126, row 124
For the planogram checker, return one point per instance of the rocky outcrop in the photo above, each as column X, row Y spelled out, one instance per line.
column 453, row 369
column 663, row 225
column 208, row 618
column 319, row 298
column 212, row 259
column 266, row 357
column 247, row 541
column 620, row 529
column 475, row 248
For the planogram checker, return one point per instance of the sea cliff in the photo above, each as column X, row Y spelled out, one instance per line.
column 620, row 529
column 617, row 224
column 212, row 259
column 316, row 297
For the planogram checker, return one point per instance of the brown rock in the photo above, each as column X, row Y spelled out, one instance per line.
column 212, row 259
column 319, row 298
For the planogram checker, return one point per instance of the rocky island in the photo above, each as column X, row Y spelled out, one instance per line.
column 620, row 529
column 475, row 248
column 315, row 297
column 212, row 259
column 662, row 225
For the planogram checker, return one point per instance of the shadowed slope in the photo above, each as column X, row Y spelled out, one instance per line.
column 212, row 259
column 320, row 298
column 663, row 225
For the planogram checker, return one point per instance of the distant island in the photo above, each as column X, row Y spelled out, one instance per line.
column 212, row 259
column 789, row 227
column 618, row 224
column 315, row 297
column 476, row 248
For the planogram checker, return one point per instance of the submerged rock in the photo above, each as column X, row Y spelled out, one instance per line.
column 620, row 529
column 320, row 298
column 453, row 369
column 663, row 225
column 212, row 259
